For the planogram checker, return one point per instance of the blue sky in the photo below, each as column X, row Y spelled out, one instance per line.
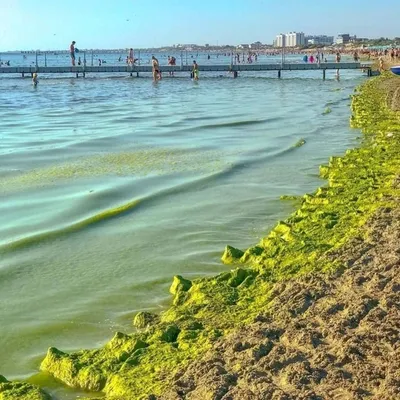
column 53, row 24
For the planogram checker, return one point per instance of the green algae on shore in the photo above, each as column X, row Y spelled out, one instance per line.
column 20, row 391
column 144, row 363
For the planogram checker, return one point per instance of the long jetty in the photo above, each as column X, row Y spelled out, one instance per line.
column 233, row 68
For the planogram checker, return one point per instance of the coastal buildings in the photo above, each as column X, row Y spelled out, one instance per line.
column 280, row 40
column 291, row 39
column 295, row 39
column 343, row 38
column 322, row 40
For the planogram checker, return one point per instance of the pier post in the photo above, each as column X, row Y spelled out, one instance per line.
column 279, row 74
column 137, row 74
column 235, row 74
column 36, row 60
column 77, row 74
column 131, row 74
column 84, row 64
column 324, row 74
column 23, row 75
column 45, row 59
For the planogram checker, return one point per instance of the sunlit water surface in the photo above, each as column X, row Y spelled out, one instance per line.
column 111, row 185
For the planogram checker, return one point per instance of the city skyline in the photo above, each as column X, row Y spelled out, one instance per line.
column 47, row 25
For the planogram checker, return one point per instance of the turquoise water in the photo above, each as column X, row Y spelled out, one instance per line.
column 110, row 186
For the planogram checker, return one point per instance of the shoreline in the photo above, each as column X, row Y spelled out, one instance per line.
column 205, row 311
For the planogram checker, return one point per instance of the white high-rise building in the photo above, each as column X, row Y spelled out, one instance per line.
column 280, row 40
column 291, row 39
column 295, row 39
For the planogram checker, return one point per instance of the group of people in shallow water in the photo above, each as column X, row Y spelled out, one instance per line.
column 156, row 70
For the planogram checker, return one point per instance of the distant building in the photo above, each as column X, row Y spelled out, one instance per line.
column 321, row 40
column 256, row 45
column 295, row 39
column 343, row 38
column 291, row 39
column 280, row 40
column 355, row 39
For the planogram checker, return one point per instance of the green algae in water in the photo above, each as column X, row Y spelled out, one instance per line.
column 135, row 366
column 140, row 163
column 300, row 143
column 327, row 111
column 20, row 391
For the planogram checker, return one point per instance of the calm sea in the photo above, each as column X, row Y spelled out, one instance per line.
column 109, row 186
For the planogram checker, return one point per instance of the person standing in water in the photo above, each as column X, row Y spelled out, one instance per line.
column 156, row 69
column 35, row 79
column 195, row 71
column 72, row 52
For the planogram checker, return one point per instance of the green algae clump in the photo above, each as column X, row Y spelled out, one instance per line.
column 231, row 255
column 327, row 111
column 144, row 319
column 180, row 284
column 20, row 391
column 300, row 143
column 357, row 184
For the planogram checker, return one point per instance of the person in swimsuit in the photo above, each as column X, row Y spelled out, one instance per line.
column 35, row 79
column 195, row 71
column 72, row 52
column 156, row 69
column 131, row 60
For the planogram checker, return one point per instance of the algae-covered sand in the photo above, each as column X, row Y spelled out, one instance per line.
column 308, row 313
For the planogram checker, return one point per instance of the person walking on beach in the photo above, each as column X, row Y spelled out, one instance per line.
column 195, row 71
column 381, row 64
column 156, row 69
column 72, row 52
column 338, row 57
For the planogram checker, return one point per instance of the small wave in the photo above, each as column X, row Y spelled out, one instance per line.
column 54, row 234
column 235, row 124
column 337, row 102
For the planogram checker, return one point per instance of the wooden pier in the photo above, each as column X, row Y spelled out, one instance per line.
column 165, row 69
